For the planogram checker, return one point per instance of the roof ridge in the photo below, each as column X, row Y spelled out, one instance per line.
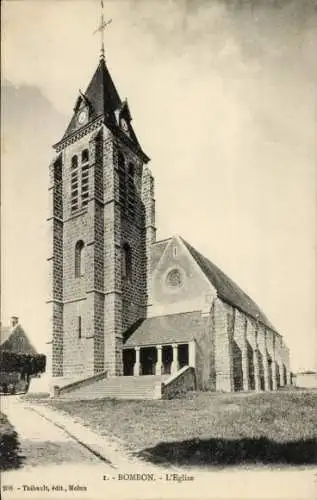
column 227, row 289
column 221, row 271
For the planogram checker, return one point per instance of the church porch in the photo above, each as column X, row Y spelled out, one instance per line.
column 160, row 359
column 161, row 345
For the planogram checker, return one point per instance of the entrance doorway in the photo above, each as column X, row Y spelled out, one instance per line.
column 167, row 358
column 182, row 355
column 148, row 359
column 128, row 361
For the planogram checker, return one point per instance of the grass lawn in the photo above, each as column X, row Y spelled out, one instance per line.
column 209, row 428
column 9, row 445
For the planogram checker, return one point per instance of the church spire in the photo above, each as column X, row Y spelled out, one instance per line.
column 101, row 102
column 101, row 29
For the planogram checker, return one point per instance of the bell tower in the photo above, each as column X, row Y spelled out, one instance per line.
column 102, row 228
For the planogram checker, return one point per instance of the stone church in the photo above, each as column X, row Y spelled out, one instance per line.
column 128, row 311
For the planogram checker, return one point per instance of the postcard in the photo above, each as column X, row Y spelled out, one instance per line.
column 158, row 326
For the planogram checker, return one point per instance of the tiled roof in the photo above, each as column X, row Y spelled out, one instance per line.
column 5, row 332
column 104, row 102
column 16, row 340
column 227, row 289
column 102, row 97
column 172, row 328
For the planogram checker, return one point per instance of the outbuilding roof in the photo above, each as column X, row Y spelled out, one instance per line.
column 15, row 340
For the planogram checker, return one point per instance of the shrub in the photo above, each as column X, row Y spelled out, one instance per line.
column 9, row 445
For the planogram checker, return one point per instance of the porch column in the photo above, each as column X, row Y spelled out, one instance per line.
column 136, row 367
column 174, row 366
column 191, row 353
column 158, row 366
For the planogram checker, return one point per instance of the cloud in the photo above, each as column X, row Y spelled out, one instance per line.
column 223, row 99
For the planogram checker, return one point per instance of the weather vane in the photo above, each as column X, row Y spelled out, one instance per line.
column 101, row 28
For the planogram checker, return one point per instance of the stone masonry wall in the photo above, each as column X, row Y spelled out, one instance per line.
column 252, row 339
column 223, row 314
column 125, row 299
column 79, row 294
column 205, row 355
column 240, row 336
column 96, row 151
column 263, row 350
column 194, row 293
column 55, row 262
column 148, row 199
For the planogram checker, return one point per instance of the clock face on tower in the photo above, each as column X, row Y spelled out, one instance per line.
column 82, row 116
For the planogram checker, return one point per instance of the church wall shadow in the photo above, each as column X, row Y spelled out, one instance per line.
column 220, row 452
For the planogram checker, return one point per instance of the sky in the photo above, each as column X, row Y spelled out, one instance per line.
column 223, row 100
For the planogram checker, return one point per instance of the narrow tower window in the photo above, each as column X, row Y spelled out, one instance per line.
column 84, row 177
column 79, row 327
column 74, row 162
column 79, row 259
column 126, row 262
column 85, row 156
column 122, row 183
column 74, row 184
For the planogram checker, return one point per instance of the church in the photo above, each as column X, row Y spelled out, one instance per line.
column 132, row 316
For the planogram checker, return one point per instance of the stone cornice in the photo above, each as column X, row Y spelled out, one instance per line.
column 118, row 135
column 78, row 134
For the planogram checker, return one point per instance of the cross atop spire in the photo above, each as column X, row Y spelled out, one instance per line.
column 101, row 29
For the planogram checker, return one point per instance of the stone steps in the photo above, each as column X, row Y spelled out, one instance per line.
column 129, row 387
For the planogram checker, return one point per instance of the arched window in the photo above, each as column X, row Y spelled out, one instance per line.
column 126, row 262
column 79, row 259
column 85, row 156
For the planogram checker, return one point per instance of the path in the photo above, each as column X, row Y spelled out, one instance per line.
column 57, row 460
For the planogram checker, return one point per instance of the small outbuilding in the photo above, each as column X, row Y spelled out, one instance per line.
column 19, row 360
column 306, row 380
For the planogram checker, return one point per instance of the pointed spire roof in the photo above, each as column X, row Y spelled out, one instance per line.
column 101, row 97
column 102, row 93
column 101, row 100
